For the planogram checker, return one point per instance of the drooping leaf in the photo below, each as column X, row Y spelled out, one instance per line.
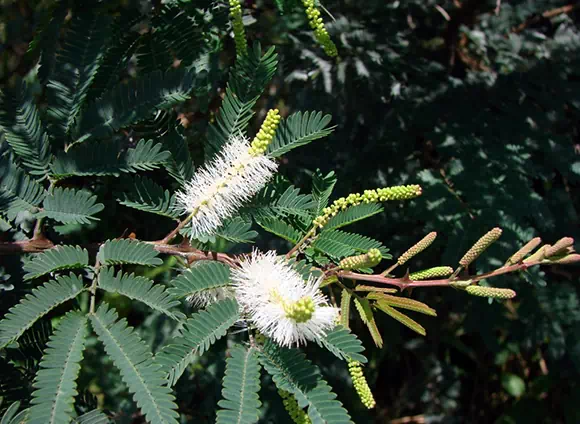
column 322, row 186
column 299, row 129
column 180, row 165
column 402, row 318
column 344, row 344
column 141, row 374
column 203, row 275
column 23, row 130
column 71, row 206
column 403, row 303
column 37, row 304
column 56, row 259
column 142, row 289
column 148, row 196
column 46, row 42
column 365, row 311
column 104, row 158
column 198, row 334
column 76, row 65
column 241, row 384
column 292, row 372
column 353, row 214
column 133, row 102
column 127, row 251
column 17, row 191
column 55, row 382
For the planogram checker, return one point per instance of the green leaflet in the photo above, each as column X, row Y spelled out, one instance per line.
column 281, row 229
column 240, row 403
column 146, row 195
column 322, row 186
column 291, row 371
column 339, row 244
column 71, row 206
column 142, row 289
column 42, row 299
column 103, row 158
column 203, row 275
column 402, row 318
column 55, row 382
column 198, row 334
column 366, row 314
column 299, row 129
column 353, row 214
column 127, row 251
column 344, row 344
column 140, row 373
column 56, row 259
column 17, row 191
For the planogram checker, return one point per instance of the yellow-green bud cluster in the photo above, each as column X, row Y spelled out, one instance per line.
column 368, row 260
column 524, row 251
column 417, row 248
column 492, row 292
column 238, row 27
column 320, row 32
column 369, row 196
column 560, row 246
column 266, row 133
column 297, row 414
column 479, row 247
column 435, row 272
column 360, row 384
column 301, row 310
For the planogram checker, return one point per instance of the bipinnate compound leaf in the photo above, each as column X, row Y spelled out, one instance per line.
column 56, row 259
column 139, row 372
column 322, row 186
column 71, row 206
column 146, row 195
column 142, row 289
column 204, row 275
column 17, row 191
column 37, row 304
column 55, row 382
column 344, row 344
column 198, row 334
column 241, row 384
column 280, row 228
column 292, row 372
column 353, row 214
column 127, row 251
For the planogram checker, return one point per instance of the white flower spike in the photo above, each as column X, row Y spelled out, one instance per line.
column 278, row 301
column 220, row 188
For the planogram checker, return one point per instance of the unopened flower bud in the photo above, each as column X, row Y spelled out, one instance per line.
column 417, row 248
column 493, row 292
column 297, row 414
column 559, row 247
column 368, row 260
column 435, row 272
column 524, row 251
column 479, row 247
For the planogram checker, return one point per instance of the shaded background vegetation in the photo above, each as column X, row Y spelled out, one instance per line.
column 475, row 100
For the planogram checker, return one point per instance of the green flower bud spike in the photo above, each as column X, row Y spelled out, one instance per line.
column 320, row 32
column 368, row 260
column 559, row 247
column 360, row 384
column 492, row 292
column 297, row 414
column 524, row 251
column 435, row 272
column 266, row 133
column 238, row 28
column 479, row 247
column 417, row 248
column 369, row 196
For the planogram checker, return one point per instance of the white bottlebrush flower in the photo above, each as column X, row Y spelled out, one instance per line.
column 219, row 189
column 278, row 301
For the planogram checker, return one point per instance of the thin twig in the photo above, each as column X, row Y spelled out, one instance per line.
column 300, row 243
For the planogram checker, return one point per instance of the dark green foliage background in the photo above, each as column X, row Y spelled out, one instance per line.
column 483, row 114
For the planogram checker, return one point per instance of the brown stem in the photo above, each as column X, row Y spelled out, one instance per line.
column 174, row 233
column 300, row 243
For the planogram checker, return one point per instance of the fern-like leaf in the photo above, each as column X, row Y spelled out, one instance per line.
column 344, row 344
column 103, row 158
column 71, row 207
column 237, row 230
column 55, row 383
column 202, row 276
column 23, row 130
column 198, row 334
column 141, row 374
column 142, row 289
column 281, row 229
column 275, row 200
column 148, row 196
column 76, row 66
column 338, row 244
column 402, row 318
column 133, row 102
column 10, row 413
column 353, row 214
column 322, row 186
column 299, row 129
column 56, row 259
column 37, row 304
column 241, row 385
column 180, row 166
column 17, row 191
column 292, row 372
column 127, row 251
column 93, row 417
